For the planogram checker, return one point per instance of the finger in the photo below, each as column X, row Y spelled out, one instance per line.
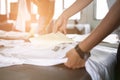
column 67, row 65
column 55, row 29
column 61, row 30
column 67, row 54
column 64, row 26
column 56, row 26
column 64, row 31
column 80, row 64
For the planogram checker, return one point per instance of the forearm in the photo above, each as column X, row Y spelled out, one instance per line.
column 108, row 25
column 50, row 12
column 77, row 6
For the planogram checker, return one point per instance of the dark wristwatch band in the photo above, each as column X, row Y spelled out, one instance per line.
column 82, row 54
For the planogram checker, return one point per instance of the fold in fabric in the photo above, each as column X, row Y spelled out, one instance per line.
column 102, row 62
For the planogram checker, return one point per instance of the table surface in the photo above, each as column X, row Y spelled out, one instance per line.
column 30, row 72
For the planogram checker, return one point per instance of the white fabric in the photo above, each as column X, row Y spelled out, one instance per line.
column 26, row 53
column 9, row 61
column 111, row 39
column 100, row 65
column 85, row 27
column 14, row 35
column 23, row 15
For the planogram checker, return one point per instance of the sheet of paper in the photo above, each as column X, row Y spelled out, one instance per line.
column 50, row 40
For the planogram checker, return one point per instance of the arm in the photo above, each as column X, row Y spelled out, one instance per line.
column 46, row 12
column 77, row 6
column 61, row 22
column 108, row 25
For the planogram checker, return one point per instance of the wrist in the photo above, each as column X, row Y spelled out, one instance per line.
column 82, row 54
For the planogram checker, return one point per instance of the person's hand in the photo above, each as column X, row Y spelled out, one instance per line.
column 74, row 61
column 50, row 26
column 60, row 25
column 42, row 31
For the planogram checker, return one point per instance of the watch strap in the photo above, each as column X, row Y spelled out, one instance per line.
column 82, row 54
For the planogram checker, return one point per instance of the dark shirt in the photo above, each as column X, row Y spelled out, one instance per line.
column 117, row 31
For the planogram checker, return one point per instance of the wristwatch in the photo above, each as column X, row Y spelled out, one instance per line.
column 82, row 54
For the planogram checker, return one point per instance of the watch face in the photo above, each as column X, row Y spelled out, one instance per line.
column 86, row 56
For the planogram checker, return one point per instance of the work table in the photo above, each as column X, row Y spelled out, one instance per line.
column 30, row 72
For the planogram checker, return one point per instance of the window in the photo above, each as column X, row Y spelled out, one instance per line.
column 58, row 8
column 8, row 4
column 101, row 9
column 69, row 3
column 61, row 5
column 5, row 6
column 34, row 9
